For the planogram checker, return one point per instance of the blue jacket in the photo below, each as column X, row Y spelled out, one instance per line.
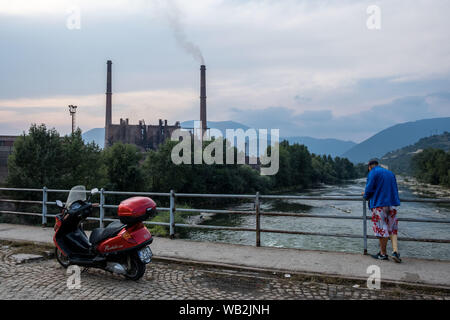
column 381, row 188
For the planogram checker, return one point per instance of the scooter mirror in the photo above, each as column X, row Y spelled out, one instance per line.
column 94, row 191
column 59, row 204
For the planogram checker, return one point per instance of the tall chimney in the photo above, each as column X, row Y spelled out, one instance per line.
column 203, row 98
column 108, row 116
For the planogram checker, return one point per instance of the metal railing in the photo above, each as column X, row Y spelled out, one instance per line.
column 257, row 212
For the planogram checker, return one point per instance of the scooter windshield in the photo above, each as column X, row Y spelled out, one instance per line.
column 75, row 194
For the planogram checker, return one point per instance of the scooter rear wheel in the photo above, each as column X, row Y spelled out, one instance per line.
column 135, row 267
column 61, row 258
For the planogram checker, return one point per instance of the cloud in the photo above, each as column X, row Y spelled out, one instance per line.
column 316, row 116
column 358, row 126
column 60, row 7
column 318, row 47
column 148, row 105
column 304, row 66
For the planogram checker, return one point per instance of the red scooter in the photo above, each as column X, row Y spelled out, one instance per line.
column 121, row 247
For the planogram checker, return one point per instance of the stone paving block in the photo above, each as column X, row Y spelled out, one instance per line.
column 46, row 279
column 26, row 257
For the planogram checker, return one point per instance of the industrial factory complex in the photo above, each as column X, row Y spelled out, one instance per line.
column 146, row 137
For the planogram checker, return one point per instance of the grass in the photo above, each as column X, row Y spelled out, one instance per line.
column 164, row 216
column 29, row 247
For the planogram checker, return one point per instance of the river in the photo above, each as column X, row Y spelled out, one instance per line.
column 324, row 225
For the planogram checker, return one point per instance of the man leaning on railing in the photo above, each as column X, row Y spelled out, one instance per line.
column 382, row 193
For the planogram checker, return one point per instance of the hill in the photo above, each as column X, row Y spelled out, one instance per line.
column 97, row 135
column 220, row 125
column 396, row 137
column 333, row 147
column 399, row 161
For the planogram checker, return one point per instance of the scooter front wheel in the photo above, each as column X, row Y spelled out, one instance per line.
column 135, row 267
column 61, row 258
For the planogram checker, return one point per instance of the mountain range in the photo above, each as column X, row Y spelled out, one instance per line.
column 399, row 161
column 96, row 135
column 389, row 139
column 395, row 137
column 334, row 147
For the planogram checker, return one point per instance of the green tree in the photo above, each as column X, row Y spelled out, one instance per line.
column 83, row 163
column 123, row 171
column 300, row 165
column 162, row 175
column 283, row 178
column 37, row 159
column 432, row 166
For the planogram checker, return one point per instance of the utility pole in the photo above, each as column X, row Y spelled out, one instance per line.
column 72, row 111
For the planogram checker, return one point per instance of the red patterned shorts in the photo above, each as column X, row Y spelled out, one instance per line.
column 384, row 221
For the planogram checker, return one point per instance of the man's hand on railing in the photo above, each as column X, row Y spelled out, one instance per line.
column 96, row 205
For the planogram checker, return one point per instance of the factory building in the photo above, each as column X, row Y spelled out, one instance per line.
column 6, row 148
column 146, row 137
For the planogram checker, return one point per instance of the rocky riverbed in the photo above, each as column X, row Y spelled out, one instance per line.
column 423, row 189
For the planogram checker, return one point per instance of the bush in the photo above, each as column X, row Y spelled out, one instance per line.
column 432, row 166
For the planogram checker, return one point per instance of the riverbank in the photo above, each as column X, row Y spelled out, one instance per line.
column 348, row 225
column 421, row 189
column 275, row 205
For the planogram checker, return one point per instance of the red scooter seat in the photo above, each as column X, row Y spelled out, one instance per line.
column 100, row 234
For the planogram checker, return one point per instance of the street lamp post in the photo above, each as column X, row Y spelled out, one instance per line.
column 72, row 111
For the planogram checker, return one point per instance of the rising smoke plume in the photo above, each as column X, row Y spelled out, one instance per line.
column 174, row 17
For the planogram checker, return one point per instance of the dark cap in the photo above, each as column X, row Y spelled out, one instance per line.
column 373, row 161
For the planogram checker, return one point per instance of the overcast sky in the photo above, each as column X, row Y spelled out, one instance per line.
column 309, row 68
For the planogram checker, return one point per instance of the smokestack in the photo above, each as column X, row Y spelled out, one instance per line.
column 203, row 98
column 108, row 116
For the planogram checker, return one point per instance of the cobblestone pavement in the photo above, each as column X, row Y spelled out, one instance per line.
column 46, row 279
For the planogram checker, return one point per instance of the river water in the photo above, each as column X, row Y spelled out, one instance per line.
column 325, row 225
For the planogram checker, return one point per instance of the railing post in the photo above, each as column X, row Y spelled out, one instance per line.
column 365, row 225
column 172, row 214
column 102, row 209
column 44, row 206
column 258, row 224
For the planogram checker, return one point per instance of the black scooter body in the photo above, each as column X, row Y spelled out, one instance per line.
column 72, row 239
